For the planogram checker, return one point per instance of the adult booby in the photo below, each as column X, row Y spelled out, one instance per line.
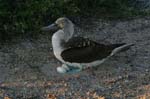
column 78, row 53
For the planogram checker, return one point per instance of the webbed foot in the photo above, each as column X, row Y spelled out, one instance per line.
column 68, row 69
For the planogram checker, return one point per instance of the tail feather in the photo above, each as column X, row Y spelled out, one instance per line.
column 117, row 45
column 121, row 48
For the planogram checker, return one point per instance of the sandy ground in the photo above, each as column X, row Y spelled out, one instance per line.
column 28, row 67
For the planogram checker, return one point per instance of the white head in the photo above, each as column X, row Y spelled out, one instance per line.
column 61, row 24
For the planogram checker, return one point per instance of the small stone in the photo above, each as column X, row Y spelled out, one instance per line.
column 51, row 49
column 120, row 77
column 65, row 85
column 126, row 81
column 146, row 70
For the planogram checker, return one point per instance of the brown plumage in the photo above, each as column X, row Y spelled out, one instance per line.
column 83, row 50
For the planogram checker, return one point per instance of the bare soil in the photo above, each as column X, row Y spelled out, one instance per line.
column 28, row 67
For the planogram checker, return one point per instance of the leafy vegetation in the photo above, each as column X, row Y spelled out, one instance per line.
column 25, row 17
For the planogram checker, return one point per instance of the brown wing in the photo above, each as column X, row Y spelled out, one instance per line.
column 79, row 42
column 82, row 50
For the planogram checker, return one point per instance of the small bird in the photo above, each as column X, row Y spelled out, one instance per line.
column 78, row 53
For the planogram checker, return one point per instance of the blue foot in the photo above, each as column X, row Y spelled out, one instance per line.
column 73, row 70
column 66, row 69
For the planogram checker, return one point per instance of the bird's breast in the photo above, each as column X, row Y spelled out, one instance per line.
column 57, row 46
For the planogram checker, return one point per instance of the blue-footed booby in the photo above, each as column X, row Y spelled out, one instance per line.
column 78, row 53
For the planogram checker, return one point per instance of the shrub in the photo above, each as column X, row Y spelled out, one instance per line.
column 25, row 17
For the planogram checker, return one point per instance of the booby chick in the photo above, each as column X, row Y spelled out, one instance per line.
column 78, row 53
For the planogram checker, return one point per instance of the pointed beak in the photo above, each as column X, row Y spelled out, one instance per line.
column 53, row 27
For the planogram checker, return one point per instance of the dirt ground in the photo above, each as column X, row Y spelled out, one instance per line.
column 28, row 67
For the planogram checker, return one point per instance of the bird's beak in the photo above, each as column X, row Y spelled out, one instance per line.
column 53, row 27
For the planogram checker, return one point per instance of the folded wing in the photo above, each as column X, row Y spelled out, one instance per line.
column 84, row 50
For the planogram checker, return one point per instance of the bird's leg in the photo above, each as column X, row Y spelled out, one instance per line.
column 81, row 67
